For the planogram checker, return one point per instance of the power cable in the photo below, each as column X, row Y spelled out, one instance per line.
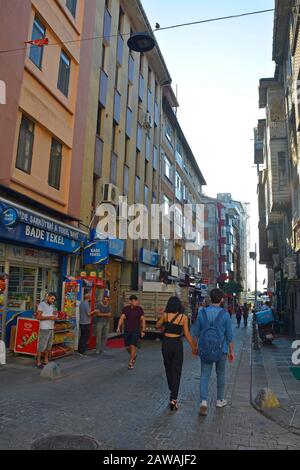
column 222, row 18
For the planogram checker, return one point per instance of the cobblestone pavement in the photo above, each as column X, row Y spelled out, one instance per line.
column 124, row 409
column 271, row 368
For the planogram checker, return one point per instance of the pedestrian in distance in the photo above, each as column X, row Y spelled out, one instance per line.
column 45, row 314
column 174, row 323
column 239, row 315
column 133, row 317
column 245, row 314
column 213, row 334
column 102, row 315
column 84, row 322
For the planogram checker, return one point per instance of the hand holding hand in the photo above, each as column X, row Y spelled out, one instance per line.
column 231, row 357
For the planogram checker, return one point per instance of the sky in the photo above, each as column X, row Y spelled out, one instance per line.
column 216, row 68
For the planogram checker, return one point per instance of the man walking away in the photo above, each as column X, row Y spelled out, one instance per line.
column 84, row 323
column 102, row 315
column 239, row 315
column 214, row 335
column 45, row 314
column 245, row 314
column 135, row 326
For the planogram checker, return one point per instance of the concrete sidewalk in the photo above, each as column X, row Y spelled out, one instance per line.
column 270, row 369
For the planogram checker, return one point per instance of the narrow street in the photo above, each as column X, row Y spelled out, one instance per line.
column 125, row 409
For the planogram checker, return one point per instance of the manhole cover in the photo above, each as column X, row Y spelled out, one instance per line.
column 65, row 442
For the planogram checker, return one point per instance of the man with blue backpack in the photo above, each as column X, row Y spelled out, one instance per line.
column 213, row 332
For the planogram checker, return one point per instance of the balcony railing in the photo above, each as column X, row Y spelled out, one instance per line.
column 128, row 122
column 98, row 157
column 117, row 107
column 131, row 69
column 156, row 114
column 120, row 47
column 103, row 88
column 107, row 27
column 141, row 87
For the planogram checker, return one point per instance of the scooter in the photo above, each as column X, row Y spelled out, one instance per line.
column 266, row 333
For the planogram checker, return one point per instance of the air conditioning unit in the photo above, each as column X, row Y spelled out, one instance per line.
column 148, row 121
column 110, row 193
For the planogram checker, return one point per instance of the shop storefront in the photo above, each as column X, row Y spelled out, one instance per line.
column 149, row 261
column 110, row 272
column 34, row 256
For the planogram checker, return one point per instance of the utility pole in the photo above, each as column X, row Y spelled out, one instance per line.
column 253, row 255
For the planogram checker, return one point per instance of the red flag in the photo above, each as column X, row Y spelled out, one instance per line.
column 38, row 42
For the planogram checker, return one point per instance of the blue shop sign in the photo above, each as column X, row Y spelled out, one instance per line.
column 96, row 252
column 21, row 225
column 116, row 247
column 149, row 257
column 9, row 217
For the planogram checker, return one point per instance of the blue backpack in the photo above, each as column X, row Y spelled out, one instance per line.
column 211, row 342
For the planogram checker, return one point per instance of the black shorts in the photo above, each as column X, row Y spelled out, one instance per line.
column 131, row 338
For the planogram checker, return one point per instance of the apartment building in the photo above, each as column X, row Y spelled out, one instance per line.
column 181, row 185
column 237, row 239
column 41, row 150
column 277, row 158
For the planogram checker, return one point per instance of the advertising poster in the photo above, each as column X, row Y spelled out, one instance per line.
column 27, row 336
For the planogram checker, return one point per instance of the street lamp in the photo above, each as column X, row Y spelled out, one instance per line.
column 253, row 255
column 141, row 42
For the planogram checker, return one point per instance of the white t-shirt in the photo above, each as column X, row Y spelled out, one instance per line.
column 47, row 312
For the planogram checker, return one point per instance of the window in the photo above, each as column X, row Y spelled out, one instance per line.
column 113, row 168
column 55, row 164
column 282, row 169
column 146, row 195
column 36, row 53
column 100, row 120
column 139, row 137
column 179, row 159
column 126, row 181
column 178, row 187
column 121, row 21
column 168, row 169
column 137, row 189
column 25, row 145
column 169, row 133
column 71, row 5
column 64, row 73
column 167, row 203
column 103, row 58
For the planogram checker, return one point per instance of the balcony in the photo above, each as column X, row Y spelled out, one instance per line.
column 107, row 27
column 103, row 88
column 117, row 107
column 149, row 100
column 128, row 122
column 141, row 87
column 120, row 47
column 156, row 114
column 155, row 158
column 98, row 157
column 131, row 69
column 258, row 152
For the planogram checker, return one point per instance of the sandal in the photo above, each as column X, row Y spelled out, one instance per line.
column 130, row 366
column 173, row 405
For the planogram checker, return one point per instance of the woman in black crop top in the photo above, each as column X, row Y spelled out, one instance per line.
column 174, row 322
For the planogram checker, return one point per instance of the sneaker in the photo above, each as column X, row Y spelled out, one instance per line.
column 221, row 403
column 203, row 408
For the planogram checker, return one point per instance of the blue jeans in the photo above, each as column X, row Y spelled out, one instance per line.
column 206, row 369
